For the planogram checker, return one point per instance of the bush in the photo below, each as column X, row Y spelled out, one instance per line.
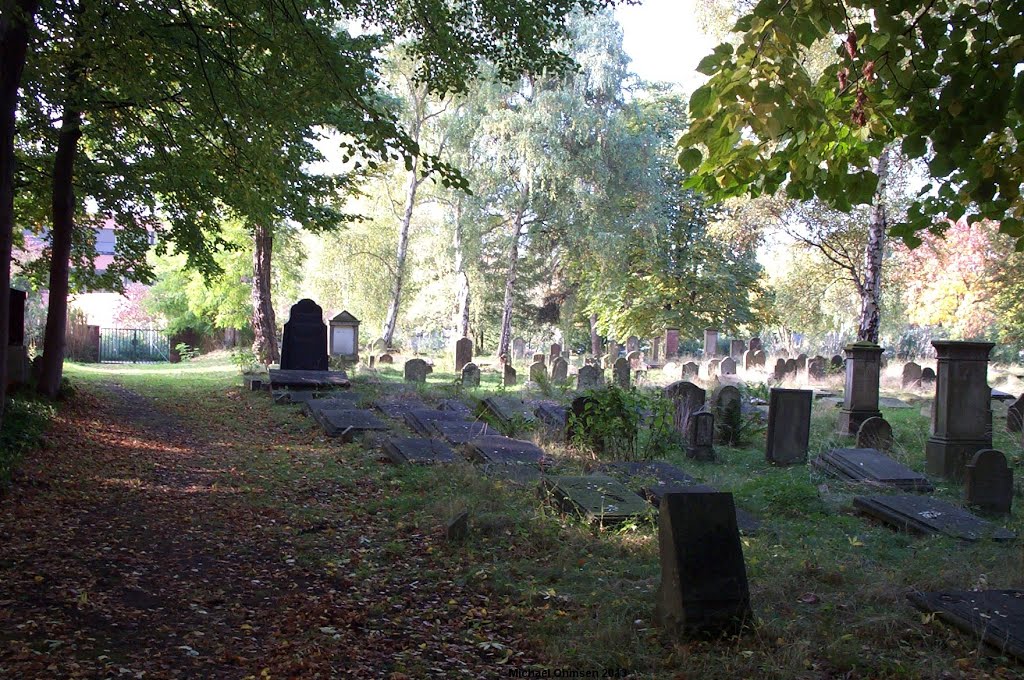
column 613, row 420
column 25, row 422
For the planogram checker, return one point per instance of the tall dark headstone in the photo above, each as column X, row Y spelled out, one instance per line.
column 736, row 349
column 755, row 344
column 620, row 373
column 911, row 374
column 463, row 353
column 671, row 343
column 304, row 347
column 710, row 343
column 962, row 417
column 988, row 482
column 704, row 590
column 687, row 399
column 554, row 351
column 727, row 405
column 700, row 438
column 1015, row 415
column 789, row 426
column 16, row 323
column 860, row 401
column 875, row 433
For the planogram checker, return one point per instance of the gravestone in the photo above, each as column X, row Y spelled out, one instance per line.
column 701, row 436
column 703, row 589
column 836, row 361
column 378, row 346
column 632, row 344
column 860, row 400
column 712, row 369
column 509, row 412
column 421, row 420
column 710, row 343
column 687, row 399
column 911, row 374
column 925, row 515
column 598, row 499
column 555, row 417
column 554, row 351
column 589, row 378
column 988, row 482
column 538, row 372
column 875, row 433
column 417, row 450
column 304, row 346
column 337, row 422
column 1015, row 415
column 385, row 359
column 789, row 426
column 635, row 359
column 995, row 616
column 343, row 401
column 727, row 405
column 784, row 353
column 656, row 350
column 620, row 373
column 736, row 349
column 470, row 375
column 652, row 480
column 509, row 376
column 791, row 369
column 816, row 368
column 613, row 351
column 499, row 450
column 927, row 376
column 606, row 361
column 871, row 466
column 416, row 370
column 779, row 372
column 962, row 419
column 579, row 420
column 518, row 349
column 463, row 353
column 690, row 370
column 16, row 318
column 749, row 362
column 755, row 344
column 760, row 358
column 559, row 370
column 539, row 358
column 456, row 406
column 727, row 367
column 801, row 362
column 462, row 432
column 671, row 343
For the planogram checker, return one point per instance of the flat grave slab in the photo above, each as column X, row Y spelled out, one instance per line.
column 403, row 450
column 997, row 616
column 871, row 466
column 508, row 410
column 283, row 378
column 462, row 432
column 285, row 397
column 337, row 422
column 456, row 406
column 496, row 449
column 341, row 401
column 553, row 416
column 526, row 475
column 599, row 499
column 925, row 515
column 893, row 402
column 420, row 419
column 397, row 406
column 999, row 395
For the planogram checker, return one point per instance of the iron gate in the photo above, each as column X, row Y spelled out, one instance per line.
column 134, row 345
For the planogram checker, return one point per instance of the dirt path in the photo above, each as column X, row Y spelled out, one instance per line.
column 135, row 545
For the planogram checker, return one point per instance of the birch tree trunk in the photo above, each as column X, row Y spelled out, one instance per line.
column 505, row 338
column 15, row 19
column 462, row 293
column 63, row 204
column 595, row 339
column 391, row 320
column 264, row 325
column 871, row 288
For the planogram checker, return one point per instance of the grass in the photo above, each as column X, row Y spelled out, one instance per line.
column 827, row 587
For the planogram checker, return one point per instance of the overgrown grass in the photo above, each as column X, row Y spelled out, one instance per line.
column 828, row 587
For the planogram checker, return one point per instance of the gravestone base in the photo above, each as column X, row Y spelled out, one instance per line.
column 947, row 458
column 851, row 420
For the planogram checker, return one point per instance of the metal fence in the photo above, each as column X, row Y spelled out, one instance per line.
column 134, row 345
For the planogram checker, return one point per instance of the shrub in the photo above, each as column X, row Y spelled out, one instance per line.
column 25, row 422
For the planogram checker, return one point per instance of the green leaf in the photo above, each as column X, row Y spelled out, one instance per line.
column 689, row 159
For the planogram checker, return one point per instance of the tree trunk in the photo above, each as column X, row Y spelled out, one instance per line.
column 871, row 290
column 462, row 293
column 391, row 320
column 60, row 257
column 595, row 339
column 505, row 338
column 264, row 326
column 15, row 19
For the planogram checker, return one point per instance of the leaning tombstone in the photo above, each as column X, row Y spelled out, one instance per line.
column 538, row 372
column 779, row 372
column 875, row 433
column 687, row 399
column 927, row 376
column 988, row 482
column 690, row 370
column 416, row 370
column 559, row 369
column 727, row 367
column 962, row 420
column 1015, row 415
column 620, row 373
column 589, row 378
column 911, row 374
column 789, row 426
column 509, row 376
column 304, row 346
column 703, row 589
column 727, row 405
column 554, row 351
column 635, row 359
column 700, row 437
column 470, row 375
column 463, row 353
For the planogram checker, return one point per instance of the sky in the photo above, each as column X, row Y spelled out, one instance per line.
column 664, row 41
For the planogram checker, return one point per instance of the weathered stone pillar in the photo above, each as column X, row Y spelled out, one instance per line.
column 671, row 343
column 863, row 366
column 962, row 416
column 710, row 343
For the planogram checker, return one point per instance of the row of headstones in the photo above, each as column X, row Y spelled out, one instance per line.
column 914, row 375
